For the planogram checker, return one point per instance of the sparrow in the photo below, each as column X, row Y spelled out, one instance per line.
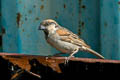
column 63, row 39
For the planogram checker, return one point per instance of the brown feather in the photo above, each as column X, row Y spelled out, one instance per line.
column 62, row 32
column 68, row 36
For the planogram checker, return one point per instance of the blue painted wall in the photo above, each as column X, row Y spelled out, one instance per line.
column 110, row 28
column 95, row 21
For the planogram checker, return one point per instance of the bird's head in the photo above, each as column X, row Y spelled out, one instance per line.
column 48, row 25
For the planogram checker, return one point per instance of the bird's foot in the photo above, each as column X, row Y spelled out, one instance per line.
column 67, row 59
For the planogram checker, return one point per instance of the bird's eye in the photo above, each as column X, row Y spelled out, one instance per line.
column 51, row 23
column 56, row 26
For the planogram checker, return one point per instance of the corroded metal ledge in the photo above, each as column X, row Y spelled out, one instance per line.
column 43, row 67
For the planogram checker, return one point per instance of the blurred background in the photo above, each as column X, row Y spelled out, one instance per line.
column 95, row 21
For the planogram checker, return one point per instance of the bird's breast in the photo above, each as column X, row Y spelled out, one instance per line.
column 62, row 46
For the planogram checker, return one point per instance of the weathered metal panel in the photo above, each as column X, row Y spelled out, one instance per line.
column 110, row 28
column 97, row 22
column 21, row 19
column 23, row 67
column 8, row 10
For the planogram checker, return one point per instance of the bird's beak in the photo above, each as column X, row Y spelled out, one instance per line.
column 41, row 27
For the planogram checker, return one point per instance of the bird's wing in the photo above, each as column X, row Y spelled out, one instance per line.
column 70, row 37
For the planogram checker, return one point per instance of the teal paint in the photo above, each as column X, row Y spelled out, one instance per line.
column 110, row 29
column 97, row 22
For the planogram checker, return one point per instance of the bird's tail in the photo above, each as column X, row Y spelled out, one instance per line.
column 94, row 52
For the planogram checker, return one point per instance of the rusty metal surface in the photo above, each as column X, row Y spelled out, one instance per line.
column 54, row 59
column 47, row 68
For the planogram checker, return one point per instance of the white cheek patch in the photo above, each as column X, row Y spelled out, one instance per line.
column 54, row 28
column 42, row 27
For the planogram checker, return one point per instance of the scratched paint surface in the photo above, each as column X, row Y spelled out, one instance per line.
column 21, row 18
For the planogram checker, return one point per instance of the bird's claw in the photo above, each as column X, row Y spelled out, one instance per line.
column 67, row 59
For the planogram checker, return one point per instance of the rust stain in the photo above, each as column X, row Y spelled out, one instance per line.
column 3, row 30
column 56, row 17
column 83, row 6
column 21, row 62
column 82, row 24
column 64, row 5
column 18, row 18
column 79, row 28
column 41, row 7
column 26, row 62
column 79, row 31
column 79, row 20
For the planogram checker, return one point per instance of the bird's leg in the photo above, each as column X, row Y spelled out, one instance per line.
column 71, row 55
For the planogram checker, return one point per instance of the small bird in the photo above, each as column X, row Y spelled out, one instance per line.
column 63, row 39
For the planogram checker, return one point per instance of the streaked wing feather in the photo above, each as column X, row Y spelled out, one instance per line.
column 68, row 36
